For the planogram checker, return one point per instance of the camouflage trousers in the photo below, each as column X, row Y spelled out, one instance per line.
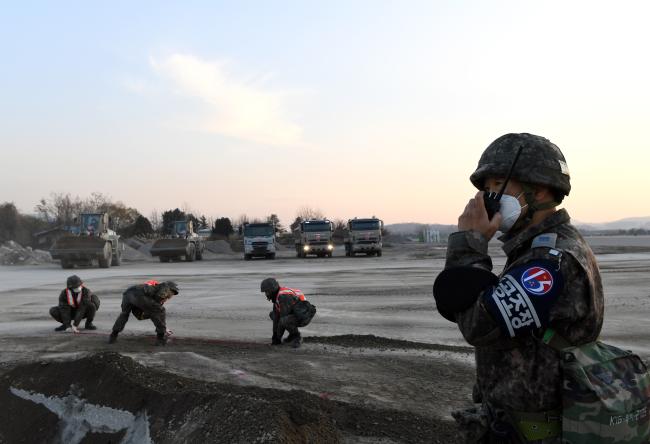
column 86, row 312
column 477, row 427
column 285, row 323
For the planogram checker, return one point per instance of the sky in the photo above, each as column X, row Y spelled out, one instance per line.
column 354, row 108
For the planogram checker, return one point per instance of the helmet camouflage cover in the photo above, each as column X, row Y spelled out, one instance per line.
column 73, row 281
column 269, row 285
column 541, row 162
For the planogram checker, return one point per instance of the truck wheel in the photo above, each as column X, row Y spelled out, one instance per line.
column 191, row 255
column 247, row 257
column 329, row 254
column 379, row 253
column 117, row 258
column 105, row 262
column 270, row 256
column 199, row 255
column 163, row 258
column 66, row 264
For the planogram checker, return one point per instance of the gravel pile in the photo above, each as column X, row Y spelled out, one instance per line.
column 12, row 253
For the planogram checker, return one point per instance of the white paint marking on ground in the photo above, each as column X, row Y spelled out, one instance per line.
column 78, row 418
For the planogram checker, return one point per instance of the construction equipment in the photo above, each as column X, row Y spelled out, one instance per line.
column 314, row 237
column 183, row 242
column 92, row 240
column 259, row 240
column 363, row 236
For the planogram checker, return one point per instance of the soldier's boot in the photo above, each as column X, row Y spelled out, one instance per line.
column 289, row 338
column 161, row 339
column 275, row 341
column 90, row 326
column 112, row 338
column 61, row 328
column 297, row 339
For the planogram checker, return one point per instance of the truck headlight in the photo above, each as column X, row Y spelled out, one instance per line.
column 306, row 248
column 330, row 247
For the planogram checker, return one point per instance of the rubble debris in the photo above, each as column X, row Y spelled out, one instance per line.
column 12, row 253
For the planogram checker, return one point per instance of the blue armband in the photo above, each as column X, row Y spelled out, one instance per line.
column 522, row 300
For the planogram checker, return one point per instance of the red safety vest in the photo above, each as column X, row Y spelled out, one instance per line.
column 288, row 291
column 72, row 301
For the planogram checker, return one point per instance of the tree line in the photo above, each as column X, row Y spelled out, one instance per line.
column 60, row 210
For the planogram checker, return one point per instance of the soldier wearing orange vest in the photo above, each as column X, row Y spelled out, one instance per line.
column 284, row 301
column 76, row 302
column 146, row 301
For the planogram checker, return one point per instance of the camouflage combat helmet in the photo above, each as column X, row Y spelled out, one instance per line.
column 167, row 285
column 269, row 285
column 541, row 162
column 73, row 281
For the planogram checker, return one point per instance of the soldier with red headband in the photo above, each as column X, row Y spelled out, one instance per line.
column 146, row 301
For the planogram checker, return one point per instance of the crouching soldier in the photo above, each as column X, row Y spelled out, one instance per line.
column 290, row 311
column 146, row 301
column 76, row 302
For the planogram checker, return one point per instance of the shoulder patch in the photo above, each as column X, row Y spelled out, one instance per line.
column 523, row 298
column 547, row 240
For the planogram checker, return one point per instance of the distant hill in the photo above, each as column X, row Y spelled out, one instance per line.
column 629, row 223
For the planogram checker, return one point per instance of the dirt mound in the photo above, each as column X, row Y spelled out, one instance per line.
column 372, row 341
column 219, row 247
column 12, row 253
column 108, row 397
column 132, row 254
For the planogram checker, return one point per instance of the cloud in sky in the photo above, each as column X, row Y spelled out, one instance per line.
column 239, row 109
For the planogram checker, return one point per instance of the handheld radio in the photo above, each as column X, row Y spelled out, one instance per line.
column 493, row 200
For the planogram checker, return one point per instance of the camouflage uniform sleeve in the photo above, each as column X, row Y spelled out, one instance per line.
column 573, row 305
column 285, row 302
column 475, row 323
column 468, row 248
column 65, row 309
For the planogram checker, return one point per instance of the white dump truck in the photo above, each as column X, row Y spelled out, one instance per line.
column 259, row 240
column 363, row 236
column 314, row 237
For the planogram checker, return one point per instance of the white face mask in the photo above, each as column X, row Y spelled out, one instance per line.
column 510, row 210
column 77, row 289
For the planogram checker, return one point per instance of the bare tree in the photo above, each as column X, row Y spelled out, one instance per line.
column 60, row 208
column 306, row 212
column 154, row 218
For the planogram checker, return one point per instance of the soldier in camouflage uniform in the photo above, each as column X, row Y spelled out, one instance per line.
column 76, row 302
column 550, row 280
column 283, row 315
column 146, row 301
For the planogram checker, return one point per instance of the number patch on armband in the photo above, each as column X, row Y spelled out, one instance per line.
column 522, row 300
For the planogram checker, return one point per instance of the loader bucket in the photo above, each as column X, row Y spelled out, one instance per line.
column 84, row 248
column 170, row 247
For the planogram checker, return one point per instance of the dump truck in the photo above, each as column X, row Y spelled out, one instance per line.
column 91, row 241
column 183, row 242
column 314, row 237
column 259, row 240
column 363, row 236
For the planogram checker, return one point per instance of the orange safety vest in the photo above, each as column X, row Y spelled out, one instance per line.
column 72, row 301
column 288, row 291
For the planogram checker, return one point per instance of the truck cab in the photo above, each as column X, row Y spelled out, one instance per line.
column 314, row 237
column 364, row 236
column 259, row 240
